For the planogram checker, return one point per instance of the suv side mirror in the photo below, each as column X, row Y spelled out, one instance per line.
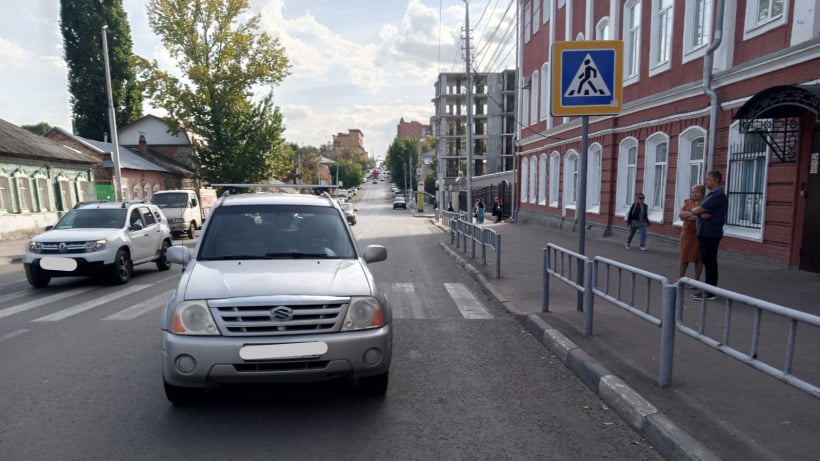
column 136, row 226
column 179, row 254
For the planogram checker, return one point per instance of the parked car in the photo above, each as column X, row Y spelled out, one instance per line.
column 276, row 290
column 399, row 202
column 99, row 238
column 350, row 212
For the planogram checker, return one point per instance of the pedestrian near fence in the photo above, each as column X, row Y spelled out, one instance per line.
column 637, row 219
column 689, row 244
column 711, row 215
column 497, row 209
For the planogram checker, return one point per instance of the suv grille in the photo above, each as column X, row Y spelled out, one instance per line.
column 63, row 247
column 275, row 320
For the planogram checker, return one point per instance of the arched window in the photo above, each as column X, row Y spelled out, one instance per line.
column 42, row 186
column 525, row 176
column 533, row 178
column 137, row 192
column 24, row 193
column 542, row 179
column 602, row 29
column 627, row 174
column 655, row 174
column 632, row 40
column 555, row 171
column 570, row 179
column 689, row 166
column 545, row 93
column 534, row 97
column 594, row 178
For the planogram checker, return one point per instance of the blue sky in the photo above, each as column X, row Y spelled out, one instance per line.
column 356, row 63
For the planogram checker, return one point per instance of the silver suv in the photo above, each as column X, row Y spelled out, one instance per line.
column 275, row 291
column 99, row 238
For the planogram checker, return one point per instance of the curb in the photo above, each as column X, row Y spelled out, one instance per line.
column 643, row 417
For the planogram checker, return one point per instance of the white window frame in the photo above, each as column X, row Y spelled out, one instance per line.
column 137, row 192
column 525, row 172
column 543, row 174
column 25, row 196
column 527, row 22
column 536, row 16
column 653, row 167
column 570, row 180
column 534, row 83
column 43, row 194
column 602, row 29
column 546, row 10
column 697, row 16
column 6, row 200
column 744, row 232
column 594, row 162
column 632, row 43
column 684, row 181
column 626, row 186
column 545, row 93
column 525, row 107
column 80, row 184
column 533, row 198
column 755, row 26
column 126, row 192
column 660, row 45
column 66, row 197
column 555, row 171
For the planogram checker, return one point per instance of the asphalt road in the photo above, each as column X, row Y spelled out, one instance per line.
column 82, row 377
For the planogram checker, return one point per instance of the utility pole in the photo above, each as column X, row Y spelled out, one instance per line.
column 112, row 122
column 469, row 172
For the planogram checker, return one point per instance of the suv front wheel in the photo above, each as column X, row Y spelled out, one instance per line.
column 120, row 271
column 36, row 277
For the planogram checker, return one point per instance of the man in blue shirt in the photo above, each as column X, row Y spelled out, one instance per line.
column 711, row 217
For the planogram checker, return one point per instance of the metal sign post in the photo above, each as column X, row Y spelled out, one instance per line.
column 587, row 79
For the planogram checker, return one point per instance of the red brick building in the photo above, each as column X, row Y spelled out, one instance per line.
column 412, row 129
column 736, row 90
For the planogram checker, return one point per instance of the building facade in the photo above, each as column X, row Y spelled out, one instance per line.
column 352, row 141
column 727, row 85
column 493, row 132
column 412, row 129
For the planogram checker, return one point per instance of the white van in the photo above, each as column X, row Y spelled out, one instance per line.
column 181, row 208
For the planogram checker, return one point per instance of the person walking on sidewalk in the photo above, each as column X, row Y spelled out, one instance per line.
column 689, row 244
column 480, row 211
column 637, row 219
column 711, row 215
column 497, row 210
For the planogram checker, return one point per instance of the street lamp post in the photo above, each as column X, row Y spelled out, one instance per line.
column 112, row 121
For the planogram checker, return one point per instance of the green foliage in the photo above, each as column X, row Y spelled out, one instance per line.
column 40, row 128
column 223, row 57
column 81, row 23
column 402, row 160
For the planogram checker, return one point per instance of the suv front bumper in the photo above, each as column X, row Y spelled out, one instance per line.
column 216, row 359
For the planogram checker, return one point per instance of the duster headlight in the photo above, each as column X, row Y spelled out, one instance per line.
column 194, row 318
column 363, row 313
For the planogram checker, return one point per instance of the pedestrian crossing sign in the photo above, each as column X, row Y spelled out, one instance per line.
column 587, row 77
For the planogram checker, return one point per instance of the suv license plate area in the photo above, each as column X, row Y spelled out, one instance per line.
column 283, row 351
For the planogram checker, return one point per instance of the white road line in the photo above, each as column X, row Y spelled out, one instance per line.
column 140, row 308
column 65, row 313
column 11, row 296
column 467, row 303
column 41, row 301
column 408, row 298
column 11, row 335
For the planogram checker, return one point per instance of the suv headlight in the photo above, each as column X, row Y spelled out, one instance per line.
column 175, row 220
column 95, row 245
column 193, row 318
column 363, row 313
column 35, row 247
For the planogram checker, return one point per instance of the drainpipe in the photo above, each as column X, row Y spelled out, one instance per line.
column 707, row 86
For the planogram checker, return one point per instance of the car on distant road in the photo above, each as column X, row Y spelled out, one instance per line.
column 350, row 212
column 276, row 291
column 399, row 202
column 99, row 238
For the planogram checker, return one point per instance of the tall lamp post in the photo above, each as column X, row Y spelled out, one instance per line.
column 112, row 121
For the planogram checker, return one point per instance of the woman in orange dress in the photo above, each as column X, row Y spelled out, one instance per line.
column 689, row 245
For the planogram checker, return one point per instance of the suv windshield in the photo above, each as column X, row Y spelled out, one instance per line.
column 179, row 200
column 276, row 232
column 103, row 218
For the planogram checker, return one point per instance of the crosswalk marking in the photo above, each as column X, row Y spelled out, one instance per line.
column 65, row 313
column 42, row 301
column 467, row 303
column 12, row 334
column 140, row 308
column 414, row 308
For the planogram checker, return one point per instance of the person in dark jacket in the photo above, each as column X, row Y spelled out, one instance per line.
column 637, row 219
column 711, row 215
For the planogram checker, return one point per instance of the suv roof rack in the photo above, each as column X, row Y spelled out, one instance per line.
column 89, row 202
column 233, row 188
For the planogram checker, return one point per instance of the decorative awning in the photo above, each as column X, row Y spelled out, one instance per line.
column 782, row 101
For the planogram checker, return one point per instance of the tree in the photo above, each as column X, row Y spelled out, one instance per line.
column 81, row 23
column 222, row 57
column 402, row 158
column 40, row 128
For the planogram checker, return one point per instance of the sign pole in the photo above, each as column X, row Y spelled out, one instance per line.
column 581, row 203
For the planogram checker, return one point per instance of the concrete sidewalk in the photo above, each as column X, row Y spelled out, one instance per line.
column 715, row 406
